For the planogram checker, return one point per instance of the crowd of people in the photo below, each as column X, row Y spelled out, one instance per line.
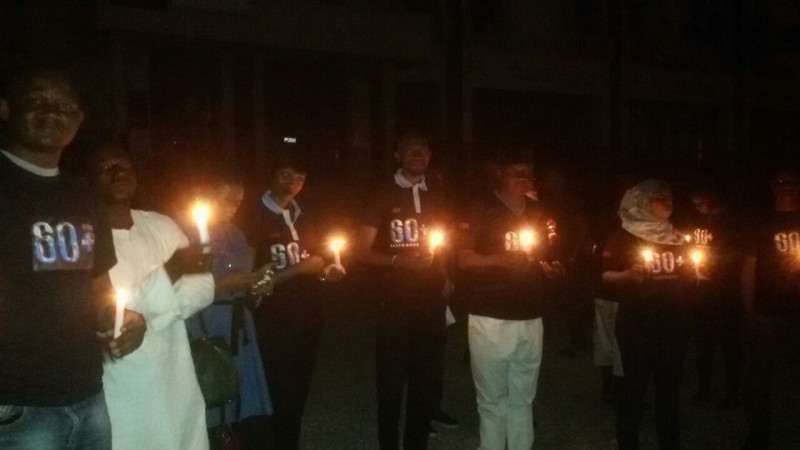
column 71, row 244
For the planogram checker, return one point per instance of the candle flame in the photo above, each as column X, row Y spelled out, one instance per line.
column 697, row 257
column 436, row 239
column 647, row 254
column 201, row 212
column 526, row 239
column 337, row 244
column 688, row 238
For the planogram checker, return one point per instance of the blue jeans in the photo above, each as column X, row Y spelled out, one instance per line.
column 83, row 425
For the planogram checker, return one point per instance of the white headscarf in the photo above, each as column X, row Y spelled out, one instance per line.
column 638, row 218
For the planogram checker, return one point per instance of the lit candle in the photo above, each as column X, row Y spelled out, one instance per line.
column 122, row 300
column 201, row 213
column 697, row 258
column 435, row 240
column 336, row 246
column 687, row 238
column 526, row 240
column 647, row 254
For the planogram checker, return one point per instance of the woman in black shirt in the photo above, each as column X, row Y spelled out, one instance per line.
column 646, row 266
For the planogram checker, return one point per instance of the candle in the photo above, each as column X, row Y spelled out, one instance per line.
column 201, row 213
column 697, row 258
column 647, row 254
column 687, row 238
column 122, row 300
column 336, row 246
column 526, row 240
column 435, row 240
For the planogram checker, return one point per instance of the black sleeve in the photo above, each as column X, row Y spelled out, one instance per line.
column 104, row 255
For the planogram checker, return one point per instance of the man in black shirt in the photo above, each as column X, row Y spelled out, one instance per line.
column 771, row 294
column 507, row 254
column 55, row 292
column 401, row 218
column 717, row 306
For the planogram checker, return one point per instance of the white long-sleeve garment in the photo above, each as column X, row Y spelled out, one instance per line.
column 153, row 397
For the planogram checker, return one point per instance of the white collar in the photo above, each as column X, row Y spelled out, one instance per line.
column 286, row 213
column 404, row 183
column 277, row 209
column 32, row 168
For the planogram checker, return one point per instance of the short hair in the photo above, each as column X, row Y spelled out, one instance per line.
column 17, row 81
column 292, row 158
column 411, row 137
column 510, row 154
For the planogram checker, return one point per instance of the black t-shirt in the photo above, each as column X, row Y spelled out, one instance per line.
column 716, row 236
column 662, row 294
column 775, row 242
column 404, row 231
column 54, row 240
column 492, row 228
column 272, row 238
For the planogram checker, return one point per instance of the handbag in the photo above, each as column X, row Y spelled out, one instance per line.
column 215, row 369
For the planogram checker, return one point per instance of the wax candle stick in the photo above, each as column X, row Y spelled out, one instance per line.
column 336, row 247
column 122, row 301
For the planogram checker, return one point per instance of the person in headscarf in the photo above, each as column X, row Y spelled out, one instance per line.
column 646, row 267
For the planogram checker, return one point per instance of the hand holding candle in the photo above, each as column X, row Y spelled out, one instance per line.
column 122, row 301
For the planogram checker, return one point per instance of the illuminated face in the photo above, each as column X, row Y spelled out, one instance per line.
column 661, row 204
column 414, row 157
column 516, row 178
column 115, row 176
column 46, row 116
column 288, row 182
column 227, row 199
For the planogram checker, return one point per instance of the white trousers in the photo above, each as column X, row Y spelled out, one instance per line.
column 505, row 358
column 606, row 348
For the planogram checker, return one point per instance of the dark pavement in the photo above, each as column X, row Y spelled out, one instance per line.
column 341, row 412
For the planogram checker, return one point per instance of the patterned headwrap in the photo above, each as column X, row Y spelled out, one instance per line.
column 638, row 218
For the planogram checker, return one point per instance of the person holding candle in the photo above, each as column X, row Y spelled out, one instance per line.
column 505, row 252
column 647, row 268
column 55, row 295
column 771, row 294
column 154, row 400
column 289, row 322
column 718, row 313
column 401, row 216
column 230, row 314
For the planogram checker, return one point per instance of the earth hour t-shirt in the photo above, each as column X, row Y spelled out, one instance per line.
column 54, row 239
column 663, row 290
column 492, row 228
column 775, row 242
column 275, row 241
column 403, row 230
column 717, row 237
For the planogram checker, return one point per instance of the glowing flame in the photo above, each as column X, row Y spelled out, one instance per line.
column 697, row 257
column 435, row 239
column 688, row 238
column 201, row 212
column 337, row 244
column 527, row 239
column 647, row 254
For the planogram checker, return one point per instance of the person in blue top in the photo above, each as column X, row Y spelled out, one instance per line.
column 238, row 288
